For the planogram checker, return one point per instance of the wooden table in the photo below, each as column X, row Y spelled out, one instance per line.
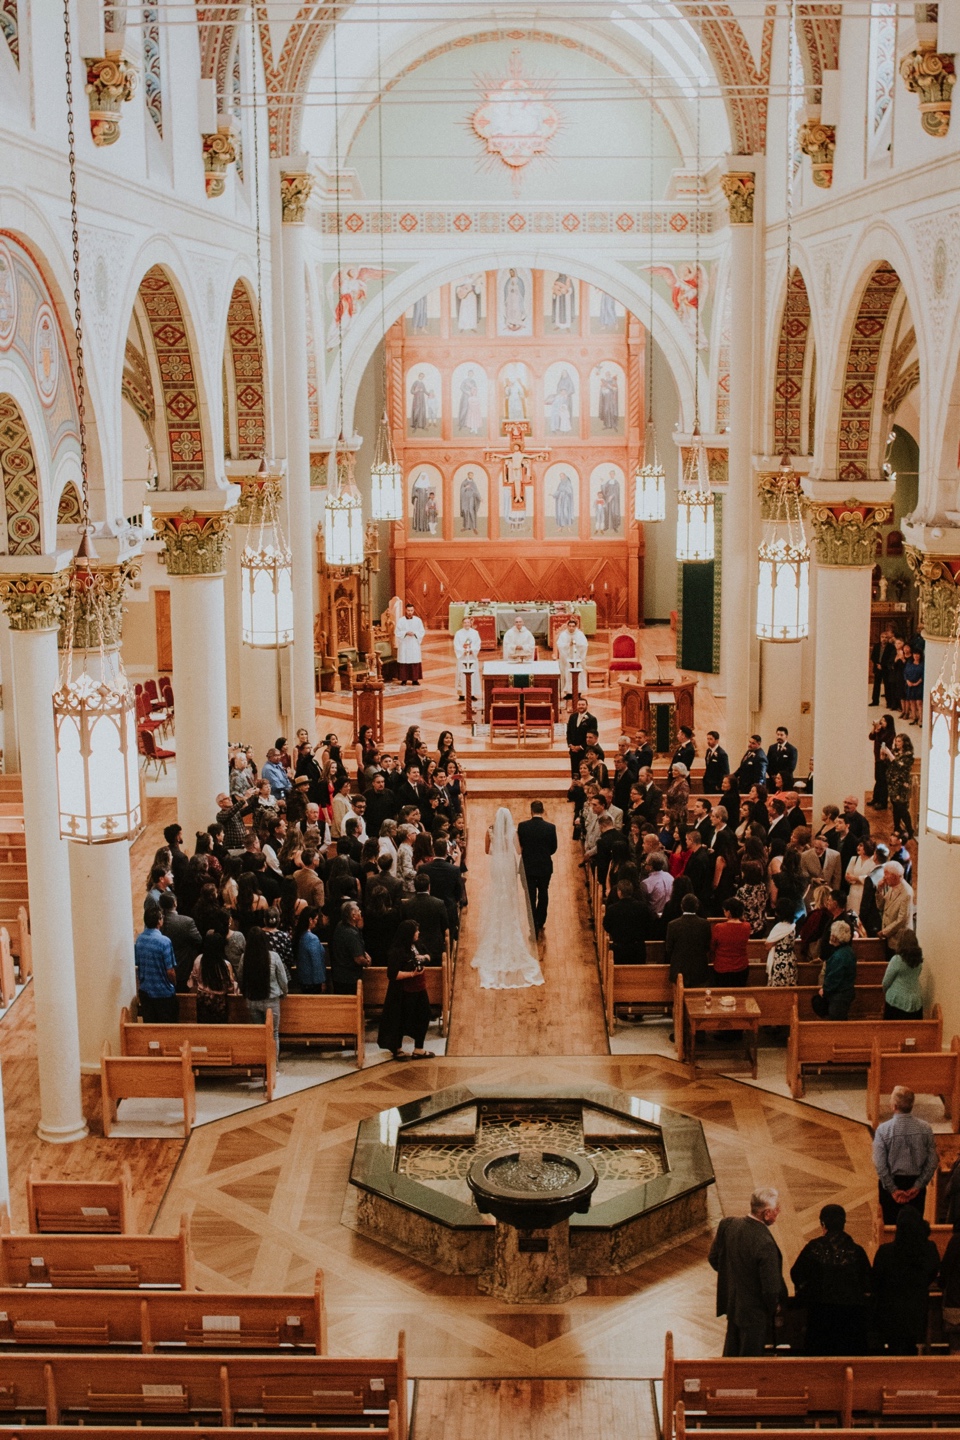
column 709, row 1015
column 499, row 674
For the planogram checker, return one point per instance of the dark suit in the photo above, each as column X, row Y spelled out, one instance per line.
column 724, row 843
column 705, row 826
column 858, row 824
column 683, row 755
column 408, row 794
column 782, row 760
column 622, row 786
column 883, row 657
column 750, row 1284
column 652, row 803
column 630, row 923
column 538, row 845
column 187, row 943
column 639, row 759
column 687, row 949
column 431, row 917
column 752, row 770
column 716, row 764
column 779, row 830
column 446, row 884
column 577, row 727
column 699, row 872
column 381, row 805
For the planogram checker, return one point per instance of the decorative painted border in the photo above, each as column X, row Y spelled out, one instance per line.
column 860, row 379
column 791, row 352
column 181, row 401
column 247, row 374
column 363, row 220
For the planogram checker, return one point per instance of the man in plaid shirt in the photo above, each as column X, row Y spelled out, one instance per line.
column 230, row 815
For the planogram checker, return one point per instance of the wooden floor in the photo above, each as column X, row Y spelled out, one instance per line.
column 536, row 1409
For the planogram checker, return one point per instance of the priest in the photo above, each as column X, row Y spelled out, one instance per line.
column 571, row 653
column 466, row 645
column 408, row 633
column 519, row 646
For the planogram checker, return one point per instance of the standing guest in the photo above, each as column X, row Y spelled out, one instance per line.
column 881, row 657
column 729, row 957
column 687, row 945
column 537, row 839
column 183, row 935
column 159, row 881
column 752, row 895
column 779, row 831
column 579, row 725
column 307, row 879
column 794, row 812
column 781, row 946
column 730, row 794
column 723, row 846
column 836, row 906
column 263, row 980
column 406, row 869
column 342, row 807
column 900, row 853
column 895, row 903
column 831, row 1276
column 365, row 754
column 678, row 794
column 699, row 869
column 684, row 754
column 857, row 824
column 230, row 813
column 412, row 791
column 950, row 1289
column 752, row 769
column 446, row 750
column 446, row 882
column 883, row 732
column 641, row 756
column 406, row 1009
column 827, row 827
column 348, row 955
column 382, row 804
column 630, row 923
column 213, row 980
column 156, row 970
column 658, row 885
column 859, row 868
column 716, row 764
column 782, row 758
column 701, row 819
column 869, row 910
column 749, row 1267
column 835, row 996
column 407, row 754
column 912, row 707
column 179, row 860
column 430, row 913
column 903, row 1270
column 201, row 868
column 902, row 997
column 381, row 917
column 904, row 1157
column 409, row 634
column 899, row 760
column 309, row 955
column 276, row 775
column 466, row 646
column 820, row 866
column 242, row 778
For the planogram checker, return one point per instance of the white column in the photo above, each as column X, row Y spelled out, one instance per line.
column 738, row 578
column 103, row 944
column 35, row 677
column 295, row 186
column 780, row 691
column 200, row 687
column 842, row 756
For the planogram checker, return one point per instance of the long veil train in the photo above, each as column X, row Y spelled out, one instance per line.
column 506, row 955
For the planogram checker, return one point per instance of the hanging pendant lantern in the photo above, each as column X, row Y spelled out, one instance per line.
column 386, row 477
column 649, row 485
column 94, row 715
column 266, row 570
column 695, row 507
column 943, row 772
column 343, row 516
column 783, row 591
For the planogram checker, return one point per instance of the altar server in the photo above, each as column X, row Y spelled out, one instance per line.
column 519, row 646
column 571, row 652
column 466, row 643
column 409, row 636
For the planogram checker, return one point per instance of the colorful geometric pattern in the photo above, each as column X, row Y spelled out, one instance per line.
column 791, row 350
column 181, row 402
column 313, row 384
column 860, row 381
column 21, row 484
column 237, row 85
column 883, row 57
column 10, row 27
column 152, row 79
column 723, row 364
column 599, row 220
column 247, row 374
column 69, row 509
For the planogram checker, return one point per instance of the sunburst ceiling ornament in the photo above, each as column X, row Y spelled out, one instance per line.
column 515, row 121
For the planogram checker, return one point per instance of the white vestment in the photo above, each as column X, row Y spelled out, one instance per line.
column 466, row 642
column 519, row 646
column 409, row 634
column 506, row 953
column 570, row 647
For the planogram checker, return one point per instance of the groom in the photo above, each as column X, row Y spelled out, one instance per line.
column 538, row 845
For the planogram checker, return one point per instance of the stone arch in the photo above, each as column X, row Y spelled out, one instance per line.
column 245, row 415
column 861, row 393
column 178, row 379
column 791, row 382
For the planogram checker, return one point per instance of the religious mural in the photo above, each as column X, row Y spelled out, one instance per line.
column 471, row 498
column 423, row 317
column 561, row 400
column 515, row 301
column 516, row 392
column 607, row 316
column 516, row 119
column 560, row 303
column 424, row 402
column 688, row 286
column 468, row 304
column 347, row 294
column 607, row 487
column 425, row 485
column 468, row 399
column 608, row 385
column 561, row 492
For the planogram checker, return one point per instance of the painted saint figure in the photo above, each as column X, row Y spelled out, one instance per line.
column 469, row 504
column 470, row 414
column 561, row 405
column 515, row 399
column 613, row 508
column 609, row 405
column 424, row 500
column 514, row 302
column 563, row 503
column 420, row 321
column 562, row 303
column 468, row 294
column 419, row 394
column 608, row 312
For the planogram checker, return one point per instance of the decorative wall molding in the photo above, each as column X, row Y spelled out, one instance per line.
column 195, row 544
column 791, row 355
column 846, row 534
column 862, row 374
column 671, row 221
column 937, row 579
column 937, row 243
column 34, row 602
column 247, row 367
column 181, row 400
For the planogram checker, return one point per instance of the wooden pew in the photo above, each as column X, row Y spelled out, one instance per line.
column 923, row 1072
column 941, row 1235
column 239, row 1049
column 22, row 945
column 778, row 1002
column 8, row 979
column 324, row 1019
column 948, row 1152
column 77, row 1206
column 867, row 1432
column 125, row 1077
column 92, row 1262
column 225, row 1388
column 389, row 1430
column 438, row 988
column 151, row 1320
column 821, row 1044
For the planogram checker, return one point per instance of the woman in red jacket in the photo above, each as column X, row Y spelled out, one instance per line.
column 728, row 948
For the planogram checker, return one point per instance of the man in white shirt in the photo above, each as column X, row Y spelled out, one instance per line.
column 466, row 644
column 409, row 632
column 519, row 646
column 571, row 652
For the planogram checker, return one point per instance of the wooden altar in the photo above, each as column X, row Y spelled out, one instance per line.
column 639, row 710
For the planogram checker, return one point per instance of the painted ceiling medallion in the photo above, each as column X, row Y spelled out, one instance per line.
column 515, row 121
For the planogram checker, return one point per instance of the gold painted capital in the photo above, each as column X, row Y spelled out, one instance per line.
column 195, row 544
column 937, row 579
column 110, row 82
column 93, row 613
column 740, row 189
column 219, row 152
column 260, row 497
column 846, row 534
column 931, row 76
column 295, row 188
column 34, row 602
column 819, row 141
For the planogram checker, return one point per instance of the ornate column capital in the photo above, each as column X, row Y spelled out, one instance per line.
column 34, row 602
column 260, row 495
column 846, row 534
column 819, row 141
column 937, row 579
column 99, row 602
column 219, row 152
column 110, row 82
column 195, row 543
column 931, row 76
column 740, row 188
column 295, row 188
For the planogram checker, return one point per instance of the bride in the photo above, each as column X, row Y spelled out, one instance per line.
column 506, row 955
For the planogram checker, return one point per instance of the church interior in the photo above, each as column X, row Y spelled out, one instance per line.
column 469, row 480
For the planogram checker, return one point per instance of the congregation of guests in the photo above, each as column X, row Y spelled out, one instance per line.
column 322, row 863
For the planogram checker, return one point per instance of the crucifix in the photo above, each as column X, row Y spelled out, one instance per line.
column 516, row 471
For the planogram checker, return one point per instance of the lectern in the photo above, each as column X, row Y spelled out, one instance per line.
column 659, row 707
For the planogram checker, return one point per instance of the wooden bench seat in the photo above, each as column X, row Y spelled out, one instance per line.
column 234, row 1049
column 822, row 1044
column 148, row 1321
column 939, row 1234
column 150, row 1077
column 97, row 1262
column 778, row 1002
column 324, row 1020
column 389, row 1430
column 923, row 1072
column 80, row 1206
column 375, row 984
column 866, row 1432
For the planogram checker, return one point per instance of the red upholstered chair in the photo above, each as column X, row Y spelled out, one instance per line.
column 537, row 712
column 624, row 655
column 505, row 713
column 152, row 753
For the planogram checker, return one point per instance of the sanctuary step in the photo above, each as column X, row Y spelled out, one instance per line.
column 516, row 770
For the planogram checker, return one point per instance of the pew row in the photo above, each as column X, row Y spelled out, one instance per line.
column 54, row 1388
column 787, row 1388
column 825, row 1044
column 324, row 1020
column 149, row 1077
column 148, row 1321
column 867, row 1432
column 96, row 1262
column 777, row 1003
column 235, row 1049
column 389, row 1430
column 941, row 1235
column 79, row 1206
column 439, row 988
column 923, row 1072
column 333, row 1020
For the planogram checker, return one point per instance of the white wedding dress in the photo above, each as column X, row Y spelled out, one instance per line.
column 506, row 956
